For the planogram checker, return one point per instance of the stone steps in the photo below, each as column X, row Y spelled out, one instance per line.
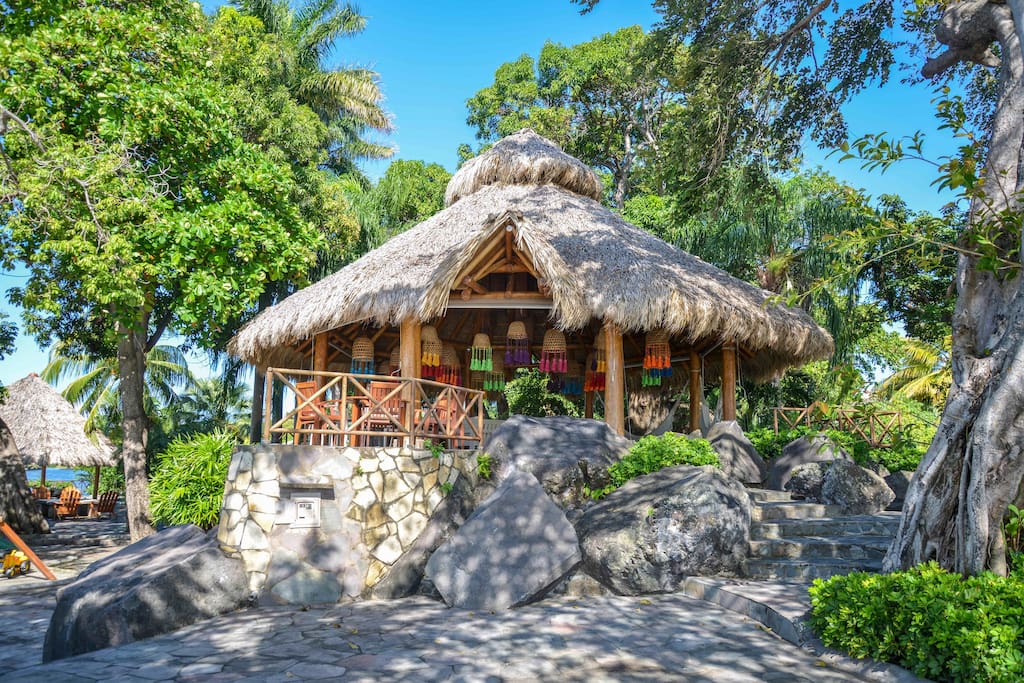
column 792, row 540
column 766, row 511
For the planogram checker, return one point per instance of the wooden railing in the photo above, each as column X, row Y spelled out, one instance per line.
column 345, row 409
column 878, row 428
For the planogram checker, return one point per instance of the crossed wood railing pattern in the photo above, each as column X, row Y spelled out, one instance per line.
column 347, row 409
column 878, row 428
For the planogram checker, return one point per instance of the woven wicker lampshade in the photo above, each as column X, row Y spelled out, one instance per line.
column 477, row 380
column 430, row 360
column 593, row 379
column 572, row 385
column 600, row 353
column 481, row 353
column 495, row 379
column 517, row 349
column 362, row 356
column 451, row 368
column 553, row 356
column 657, row 358
column 396, row 361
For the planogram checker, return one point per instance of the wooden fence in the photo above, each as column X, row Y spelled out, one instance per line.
column 878, row 428
column 346, row 409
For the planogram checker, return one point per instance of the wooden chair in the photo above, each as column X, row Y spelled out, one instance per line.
column 106, row 504
column 68, row 505
column 382, row 417
column 307, row 418
column 42, row 492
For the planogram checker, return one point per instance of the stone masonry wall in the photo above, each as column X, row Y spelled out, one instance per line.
column 372, row 504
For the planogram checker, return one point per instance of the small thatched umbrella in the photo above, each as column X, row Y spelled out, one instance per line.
column 48, row 430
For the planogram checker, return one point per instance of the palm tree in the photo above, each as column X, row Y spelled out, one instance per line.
column 93, row 389
column 214, row 404
column 347, row 99
column 927, row 374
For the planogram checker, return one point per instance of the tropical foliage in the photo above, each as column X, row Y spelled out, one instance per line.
column 187, row 486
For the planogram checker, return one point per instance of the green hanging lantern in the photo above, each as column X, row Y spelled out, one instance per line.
column 481, row 357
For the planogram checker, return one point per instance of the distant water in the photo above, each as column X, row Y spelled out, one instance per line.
column 81, row 478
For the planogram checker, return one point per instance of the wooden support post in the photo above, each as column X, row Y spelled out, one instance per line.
column 96, row 482
column 42, row 474
column 268, row 405
column 729, row 381
column 588, row 405
column 20, row 545
column 696, row 390
column 320, row 358
column 409, row 366
column 615, row 380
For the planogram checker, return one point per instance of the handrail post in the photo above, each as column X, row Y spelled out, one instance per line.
column 410, row 412
column 268, row 403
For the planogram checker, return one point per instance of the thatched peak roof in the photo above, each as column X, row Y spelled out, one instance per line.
column 597, row 266
column 48, row 430
column 523, row 158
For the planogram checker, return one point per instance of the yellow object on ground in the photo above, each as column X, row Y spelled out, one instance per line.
column 15, row 563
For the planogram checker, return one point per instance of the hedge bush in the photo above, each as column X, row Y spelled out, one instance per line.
column 902, row 455
column 187, row 486
column 652, row 453
column 937, row 624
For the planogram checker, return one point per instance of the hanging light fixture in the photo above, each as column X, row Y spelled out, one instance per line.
column 517, row 345
column 430, row 360
column 362, row 356
column 553, row 355
column 495, row 379
column 481, row 353
column 657, row 358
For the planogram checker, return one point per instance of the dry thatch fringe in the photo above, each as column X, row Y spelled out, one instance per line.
column 597, row 265
column 523, row 158
column 48, row 429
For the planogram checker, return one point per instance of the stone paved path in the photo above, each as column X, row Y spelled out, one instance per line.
column 659, row 638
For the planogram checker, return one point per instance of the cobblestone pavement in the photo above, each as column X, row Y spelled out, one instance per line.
column 655, row 638
column 658, row 638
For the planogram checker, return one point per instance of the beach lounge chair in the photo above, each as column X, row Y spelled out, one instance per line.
column 106, row 504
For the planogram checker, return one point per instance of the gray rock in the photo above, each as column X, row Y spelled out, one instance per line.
column 740, row 460
column 307, row 586
column 800, row 452
column 157, row 585
column 653, row 532
column 510, row 551
column 563, row 453
column 858, row 491
column 899, row 482
column 805, row 481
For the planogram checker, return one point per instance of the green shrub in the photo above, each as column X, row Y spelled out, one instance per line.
column 484, row 465
column 769, row 444
column 528, row 394
column 187, row 486
column 937, row 624
column 653, row 453
column 904, row 455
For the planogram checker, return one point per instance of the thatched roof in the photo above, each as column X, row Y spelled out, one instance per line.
column 48, row 430
column 596, row 265
column 523, row 159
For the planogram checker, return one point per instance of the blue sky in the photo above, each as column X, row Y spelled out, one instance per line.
column 433, row 56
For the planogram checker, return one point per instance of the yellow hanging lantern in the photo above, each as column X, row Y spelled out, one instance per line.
column 430, row 360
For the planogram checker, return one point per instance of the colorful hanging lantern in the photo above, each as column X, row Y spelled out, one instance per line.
column 592, row 379
column 481, row 353
column 477, row 378
column 553, row 356
column 600, row 354
column 450, row 371
column 430, row 360
column 517, row 345
column 657, row 359
column 572, row 384
column 362, row 356
column 396, row 361
column 495, row 379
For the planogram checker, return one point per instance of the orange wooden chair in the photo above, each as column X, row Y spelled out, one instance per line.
column 42, row 492
column 106, row 504
column 68, row 505
column 382, row 417
column 307, row 417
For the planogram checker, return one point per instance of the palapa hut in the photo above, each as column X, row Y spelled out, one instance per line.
column 525, row 239
column 49, row 431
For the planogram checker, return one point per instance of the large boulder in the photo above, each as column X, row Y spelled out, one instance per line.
column 856, row 490
column 800, row 452
column 565, row 454
column 654, row 531
column 159, row 584
column 805, row 481
column 739, row 459
column 510, row 551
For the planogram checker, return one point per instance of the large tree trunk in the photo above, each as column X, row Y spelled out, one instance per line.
column 18, row 506
column 974, row 467
column 131, row 369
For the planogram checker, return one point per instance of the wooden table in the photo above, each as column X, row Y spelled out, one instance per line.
column 48, row 506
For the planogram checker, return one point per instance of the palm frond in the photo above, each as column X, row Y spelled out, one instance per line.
column 326, row 22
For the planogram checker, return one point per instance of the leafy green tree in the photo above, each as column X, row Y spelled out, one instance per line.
column 926, row 374
column 605, row 102
column 798, row 62
column 130, row 195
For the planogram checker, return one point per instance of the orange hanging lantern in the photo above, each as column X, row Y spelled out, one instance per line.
column 657, row 358
column 451, row 368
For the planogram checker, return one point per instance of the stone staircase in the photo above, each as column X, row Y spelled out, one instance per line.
column 793, row 540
